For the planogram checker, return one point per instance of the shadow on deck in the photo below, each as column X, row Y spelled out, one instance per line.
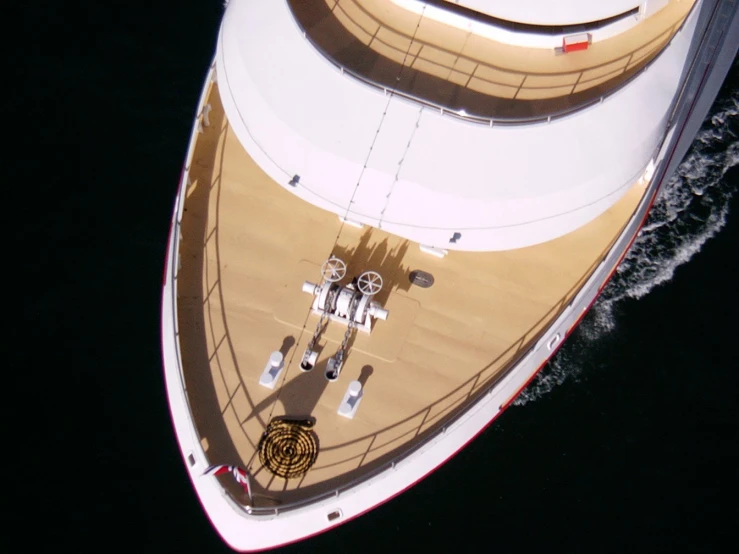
column 207, row 343
column 357, row 40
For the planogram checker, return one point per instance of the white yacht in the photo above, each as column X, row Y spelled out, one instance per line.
column 391, row 214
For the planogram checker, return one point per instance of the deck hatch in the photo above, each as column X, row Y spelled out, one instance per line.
column 421, row 278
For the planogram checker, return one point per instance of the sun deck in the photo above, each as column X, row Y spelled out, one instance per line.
column 247, row 247
column 457, row 69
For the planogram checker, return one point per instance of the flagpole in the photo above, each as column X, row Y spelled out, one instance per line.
column 248, row 488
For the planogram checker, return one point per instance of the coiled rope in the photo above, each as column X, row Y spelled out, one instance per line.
column 288, row 448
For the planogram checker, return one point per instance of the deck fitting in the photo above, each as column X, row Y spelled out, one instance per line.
column 352, row 398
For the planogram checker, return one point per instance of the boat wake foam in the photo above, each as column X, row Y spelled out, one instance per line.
column 690, row 209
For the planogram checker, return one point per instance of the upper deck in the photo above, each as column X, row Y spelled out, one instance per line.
column 467, row 71
column 406, row 167
column 247, row 245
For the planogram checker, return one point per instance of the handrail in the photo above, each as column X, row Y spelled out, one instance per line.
column 175, row 238
column 491, row 121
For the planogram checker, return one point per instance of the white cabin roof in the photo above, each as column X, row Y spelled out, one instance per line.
column 417, row 173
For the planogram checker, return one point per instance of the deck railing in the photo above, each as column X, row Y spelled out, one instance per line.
column 634, row 63
column 175, row 238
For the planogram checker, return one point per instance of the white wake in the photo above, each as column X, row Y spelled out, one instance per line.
column 691, row 208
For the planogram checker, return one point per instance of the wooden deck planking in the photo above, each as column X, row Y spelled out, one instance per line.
column 443, row 46
column 246, row 249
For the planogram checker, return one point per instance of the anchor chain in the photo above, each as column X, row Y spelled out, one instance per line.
column 341, row 352
column 320, row 326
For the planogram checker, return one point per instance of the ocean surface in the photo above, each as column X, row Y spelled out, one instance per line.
column 628, row 441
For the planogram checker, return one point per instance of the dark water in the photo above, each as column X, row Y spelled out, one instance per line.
column 627, row 442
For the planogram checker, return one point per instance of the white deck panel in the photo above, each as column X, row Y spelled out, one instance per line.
column 387, row 157
column 456, row 176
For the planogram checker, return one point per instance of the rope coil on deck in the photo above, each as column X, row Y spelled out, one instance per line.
column 288, row 448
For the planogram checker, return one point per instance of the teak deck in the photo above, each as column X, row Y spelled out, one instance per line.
column 247, row 246
column 364, row 34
